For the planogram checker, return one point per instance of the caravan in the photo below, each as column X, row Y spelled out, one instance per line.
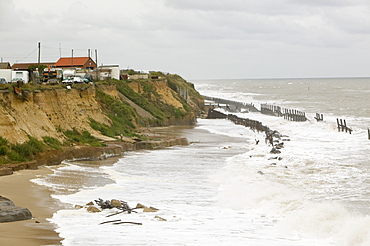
column 20, row 76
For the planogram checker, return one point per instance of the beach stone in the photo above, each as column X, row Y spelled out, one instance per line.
column 150, row 210
column 160, row 218
column 115, row 203
column 93, row 209
column 9, row 212
column 139, row 205
column 90, row 204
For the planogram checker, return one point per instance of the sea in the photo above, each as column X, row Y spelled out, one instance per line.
column 225, row 187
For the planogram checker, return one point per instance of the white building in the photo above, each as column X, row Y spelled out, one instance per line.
column 109, row 72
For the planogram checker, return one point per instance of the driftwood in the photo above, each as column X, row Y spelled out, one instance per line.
column 135, row 223
column 111, row 221
column 118, row 222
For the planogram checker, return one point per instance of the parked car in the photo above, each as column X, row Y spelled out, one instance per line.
column 15, row 80
column 73, row 80
column 69, row 80
column 77, row 80
column 3, row 81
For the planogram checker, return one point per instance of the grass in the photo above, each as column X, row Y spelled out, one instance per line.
column 14, row 153
column 122, row 115
column 52, row 142
column 83, row 138
column 150, row 101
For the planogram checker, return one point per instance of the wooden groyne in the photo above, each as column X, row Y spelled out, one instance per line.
column 252, row 124
column 288, row 114
column 272, row 110
column 268, row 109
column 319, row 117
column 342, row 126
column 233, row 105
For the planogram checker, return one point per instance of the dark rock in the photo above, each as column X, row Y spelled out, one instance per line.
column 275, row 151
column 9, row 212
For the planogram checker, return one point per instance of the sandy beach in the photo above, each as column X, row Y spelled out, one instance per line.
column 36, row 231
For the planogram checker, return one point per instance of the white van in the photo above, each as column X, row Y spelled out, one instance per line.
column 20, row 75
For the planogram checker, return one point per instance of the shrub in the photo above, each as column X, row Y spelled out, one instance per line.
column 4, row 150
column 25, row 151
column 84, row 138
column 16, row 157
column 3, row 141
column 52, row 142
column 121, row 114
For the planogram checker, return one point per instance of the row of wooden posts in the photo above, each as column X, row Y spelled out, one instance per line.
column 288, row 114
column 342, row 126
column 273, row 110
column 240, row 105
column 252, row 124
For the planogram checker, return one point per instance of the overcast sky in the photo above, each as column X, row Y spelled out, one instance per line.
column 197, row 39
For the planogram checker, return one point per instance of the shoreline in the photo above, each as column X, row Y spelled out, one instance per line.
column 26, row 194
column 17, row 186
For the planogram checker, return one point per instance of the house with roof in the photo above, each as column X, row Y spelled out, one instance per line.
column 27, row 66
column 5, row 65
column 76, row 62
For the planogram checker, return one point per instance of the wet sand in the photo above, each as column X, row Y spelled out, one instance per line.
column 24, row 193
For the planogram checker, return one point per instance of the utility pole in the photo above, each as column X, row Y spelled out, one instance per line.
column 38, row 62
column 96, row 61
column 72, row 57
column 60, row 50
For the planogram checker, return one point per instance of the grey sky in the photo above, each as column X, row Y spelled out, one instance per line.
column 197, row 39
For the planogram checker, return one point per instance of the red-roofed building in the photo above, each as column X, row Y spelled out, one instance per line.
column 77, row 62
column 26, row 66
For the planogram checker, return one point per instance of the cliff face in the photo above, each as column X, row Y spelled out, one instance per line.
column 49, row 112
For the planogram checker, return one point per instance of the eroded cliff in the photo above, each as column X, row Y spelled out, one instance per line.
column 108, row 111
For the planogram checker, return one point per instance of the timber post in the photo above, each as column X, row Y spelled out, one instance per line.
column 319, row 117
column 342, row 126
